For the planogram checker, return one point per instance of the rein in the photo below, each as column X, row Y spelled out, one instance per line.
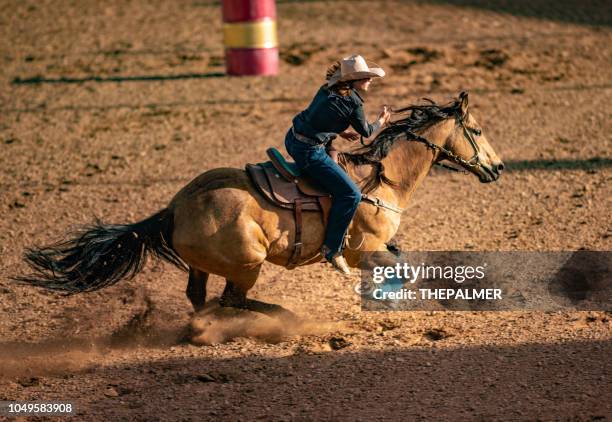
column 448, row 154
column 377, row 202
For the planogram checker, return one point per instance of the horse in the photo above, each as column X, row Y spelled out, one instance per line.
column 220, row 224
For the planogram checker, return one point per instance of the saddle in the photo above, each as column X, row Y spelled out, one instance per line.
column 281, row 183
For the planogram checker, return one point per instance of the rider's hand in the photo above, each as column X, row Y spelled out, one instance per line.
column 350, row 135
column 384, row 116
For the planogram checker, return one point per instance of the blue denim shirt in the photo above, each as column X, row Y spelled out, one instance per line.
column 330, row 113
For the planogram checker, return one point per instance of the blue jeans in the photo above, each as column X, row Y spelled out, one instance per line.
column 314, row 162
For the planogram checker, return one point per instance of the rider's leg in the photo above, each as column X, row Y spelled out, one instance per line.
column 345, row 198
column 314, row 161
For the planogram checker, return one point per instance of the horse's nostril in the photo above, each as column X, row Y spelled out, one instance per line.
column 500, row 167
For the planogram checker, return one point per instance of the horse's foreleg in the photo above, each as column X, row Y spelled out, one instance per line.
column 196, row 288
column 235, row 297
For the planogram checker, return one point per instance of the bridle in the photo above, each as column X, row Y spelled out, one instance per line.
column 472, row 162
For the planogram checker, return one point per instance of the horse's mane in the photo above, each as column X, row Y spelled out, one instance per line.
column 420, row 118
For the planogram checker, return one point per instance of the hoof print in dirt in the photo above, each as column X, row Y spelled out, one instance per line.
column 115, row 390
column 436, row 334
column 17, row 204
column 492, row 58
column 405, row 59
column 29, row 382
column 298, row 54
column 337, row 343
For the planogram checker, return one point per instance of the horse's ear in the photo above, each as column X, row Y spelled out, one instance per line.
column 463, row 102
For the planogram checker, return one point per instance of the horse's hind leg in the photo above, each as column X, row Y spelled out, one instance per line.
column 235, row 297
column 196, row 288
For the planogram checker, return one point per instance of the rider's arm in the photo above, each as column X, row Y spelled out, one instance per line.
column 361, row 125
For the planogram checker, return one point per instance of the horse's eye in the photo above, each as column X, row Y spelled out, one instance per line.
column 477, row 132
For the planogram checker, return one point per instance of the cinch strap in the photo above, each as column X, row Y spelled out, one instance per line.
column 297, row 245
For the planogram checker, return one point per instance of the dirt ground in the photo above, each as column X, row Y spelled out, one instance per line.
column 108, row 108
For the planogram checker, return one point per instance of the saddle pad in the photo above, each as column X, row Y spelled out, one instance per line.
column 278, row 190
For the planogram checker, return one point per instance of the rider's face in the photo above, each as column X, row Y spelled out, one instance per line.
column 362, row 84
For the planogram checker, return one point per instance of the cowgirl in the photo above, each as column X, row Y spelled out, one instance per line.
column 336, row 106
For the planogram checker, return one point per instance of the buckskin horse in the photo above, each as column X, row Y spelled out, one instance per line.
column 222, row 222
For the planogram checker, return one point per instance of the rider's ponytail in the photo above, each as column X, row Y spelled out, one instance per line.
column 331, row 70
column 341, row 88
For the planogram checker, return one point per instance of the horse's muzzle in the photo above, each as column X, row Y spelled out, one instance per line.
column 491, row 173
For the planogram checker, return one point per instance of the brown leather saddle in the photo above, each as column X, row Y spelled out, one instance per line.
column 281, row 183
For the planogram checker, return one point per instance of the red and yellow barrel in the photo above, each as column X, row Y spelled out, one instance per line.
column 249, row 34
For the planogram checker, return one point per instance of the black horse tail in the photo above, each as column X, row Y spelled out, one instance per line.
column 101, row 254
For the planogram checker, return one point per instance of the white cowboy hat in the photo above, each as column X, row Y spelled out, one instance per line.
column 354, row 67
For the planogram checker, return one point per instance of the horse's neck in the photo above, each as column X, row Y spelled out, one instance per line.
column 408, row 163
